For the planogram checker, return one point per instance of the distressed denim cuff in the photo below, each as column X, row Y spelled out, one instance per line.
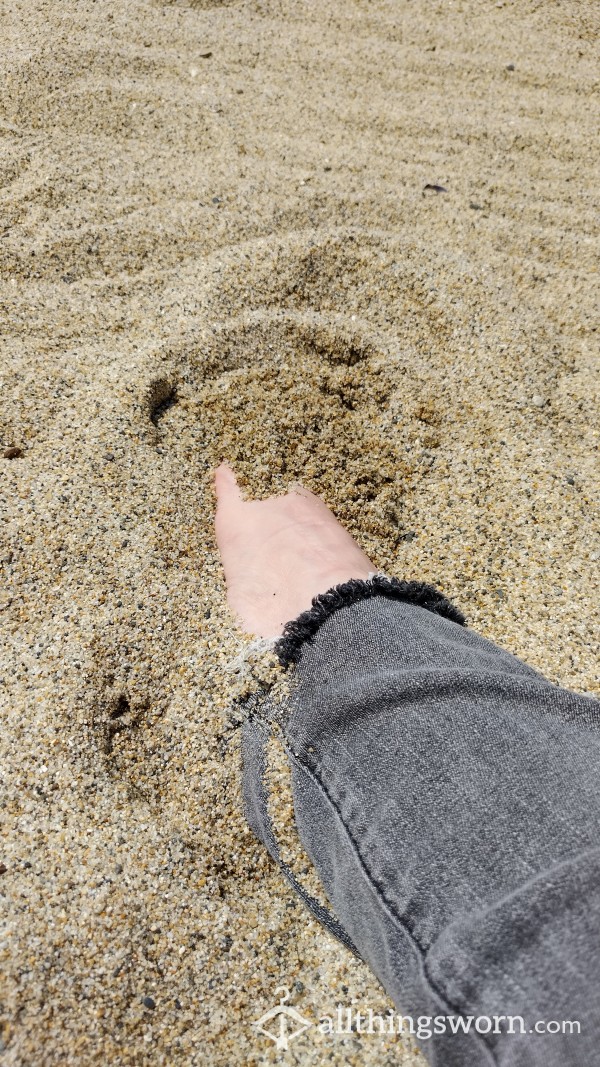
column 302, row 629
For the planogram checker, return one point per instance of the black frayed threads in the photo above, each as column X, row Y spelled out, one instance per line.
column 289, row 647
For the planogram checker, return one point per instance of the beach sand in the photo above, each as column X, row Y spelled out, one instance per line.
column 351, row 243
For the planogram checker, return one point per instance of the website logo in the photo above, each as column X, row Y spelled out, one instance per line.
column 288, row 1023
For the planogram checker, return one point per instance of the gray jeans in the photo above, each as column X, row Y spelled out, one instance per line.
column 449, row 798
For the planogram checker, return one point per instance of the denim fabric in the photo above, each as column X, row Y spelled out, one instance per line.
column 449, row 798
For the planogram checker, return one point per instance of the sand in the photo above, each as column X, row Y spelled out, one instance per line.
column 350, row 243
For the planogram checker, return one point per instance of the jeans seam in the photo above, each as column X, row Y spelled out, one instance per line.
column 418, row 950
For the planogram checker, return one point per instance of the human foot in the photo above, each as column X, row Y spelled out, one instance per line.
column 279, row 553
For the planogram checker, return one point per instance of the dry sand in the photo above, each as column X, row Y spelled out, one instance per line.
column 217, row 239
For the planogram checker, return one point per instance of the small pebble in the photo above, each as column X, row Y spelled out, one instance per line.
column 149, row 1003
column 13, row 452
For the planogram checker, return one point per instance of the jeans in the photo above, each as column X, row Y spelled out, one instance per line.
column 449, row 798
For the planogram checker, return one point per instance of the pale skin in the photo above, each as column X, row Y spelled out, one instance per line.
column 279, row 553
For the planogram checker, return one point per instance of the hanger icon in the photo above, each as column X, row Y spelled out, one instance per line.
column 291, row 1022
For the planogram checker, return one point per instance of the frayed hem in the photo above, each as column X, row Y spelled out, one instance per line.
column 289, row 646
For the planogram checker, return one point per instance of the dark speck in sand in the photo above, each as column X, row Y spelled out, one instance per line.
column 429, row 188
column 13, row 453
column 149, row 1003
column 121, row 708
column 166, row 399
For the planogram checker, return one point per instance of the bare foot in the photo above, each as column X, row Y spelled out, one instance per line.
column 279, row 553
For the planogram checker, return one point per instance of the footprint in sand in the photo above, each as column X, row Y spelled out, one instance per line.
column 310, row 381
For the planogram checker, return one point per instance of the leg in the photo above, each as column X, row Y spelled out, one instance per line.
column 447, row 795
